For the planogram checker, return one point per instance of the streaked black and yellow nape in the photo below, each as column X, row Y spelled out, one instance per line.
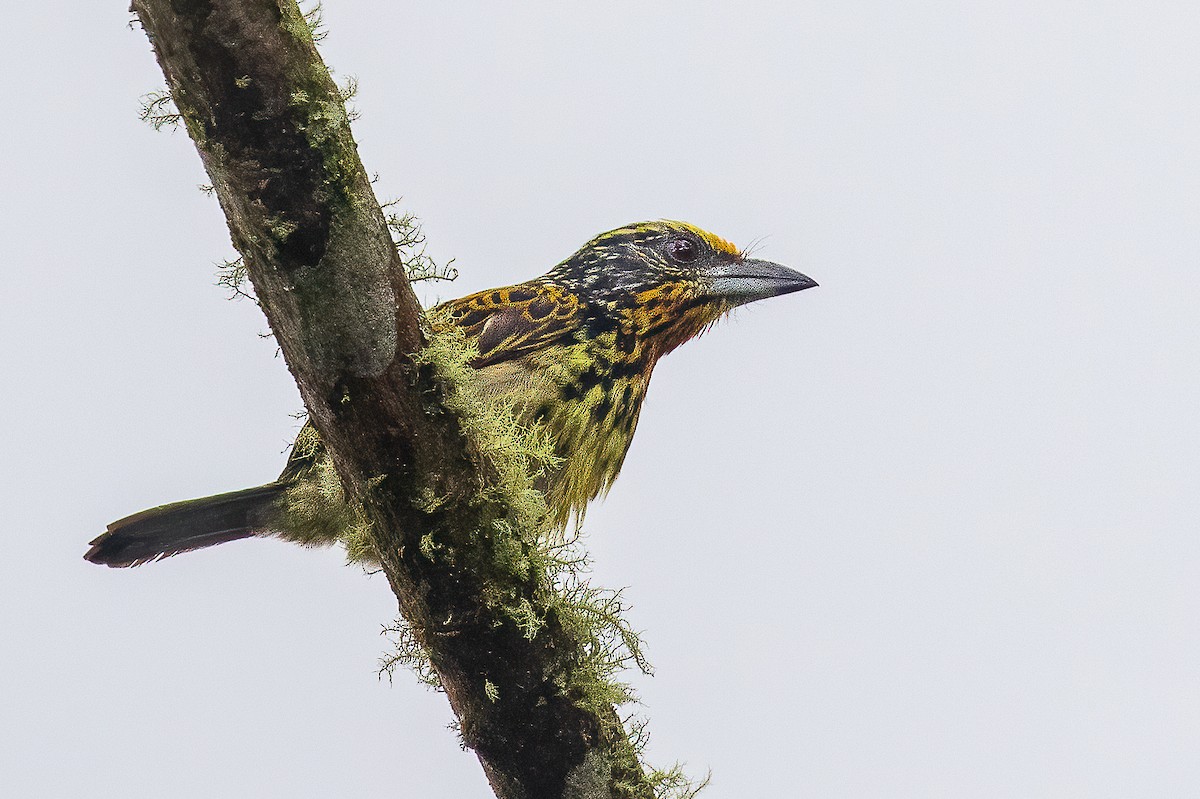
column 572, row 350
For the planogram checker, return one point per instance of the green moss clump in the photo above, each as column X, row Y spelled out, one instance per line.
column 523, row 546
column 673, row 783
column 305, row 26
column 518, row 454
column 409, row 240
column 407, row 652
column 281, row 229
column 158, row 110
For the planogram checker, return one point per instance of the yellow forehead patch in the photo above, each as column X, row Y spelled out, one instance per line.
column 665, row 225
column 711, row 239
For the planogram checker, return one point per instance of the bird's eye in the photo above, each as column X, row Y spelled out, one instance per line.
column 683, row 250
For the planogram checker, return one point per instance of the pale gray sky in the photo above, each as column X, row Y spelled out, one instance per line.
column 929, row 530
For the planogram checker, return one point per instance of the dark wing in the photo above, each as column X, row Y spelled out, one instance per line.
column 510, row 323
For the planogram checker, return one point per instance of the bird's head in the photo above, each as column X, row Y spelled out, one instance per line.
column 671, row 280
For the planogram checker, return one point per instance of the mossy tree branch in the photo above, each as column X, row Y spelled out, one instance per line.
column 272, row 131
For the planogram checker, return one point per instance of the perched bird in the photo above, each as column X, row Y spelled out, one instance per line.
column 571, row 350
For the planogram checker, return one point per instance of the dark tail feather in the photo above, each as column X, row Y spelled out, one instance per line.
column 183, row 526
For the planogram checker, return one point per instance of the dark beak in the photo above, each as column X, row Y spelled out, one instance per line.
column 750, row 279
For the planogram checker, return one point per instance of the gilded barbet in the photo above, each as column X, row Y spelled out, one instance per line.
column 571, row 351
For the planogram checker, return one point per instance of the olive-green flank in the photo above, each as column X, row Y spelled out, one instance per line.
column 570, row 352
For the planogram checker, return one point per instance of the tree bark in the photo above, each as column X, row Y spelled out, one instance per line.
column 271, row 129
